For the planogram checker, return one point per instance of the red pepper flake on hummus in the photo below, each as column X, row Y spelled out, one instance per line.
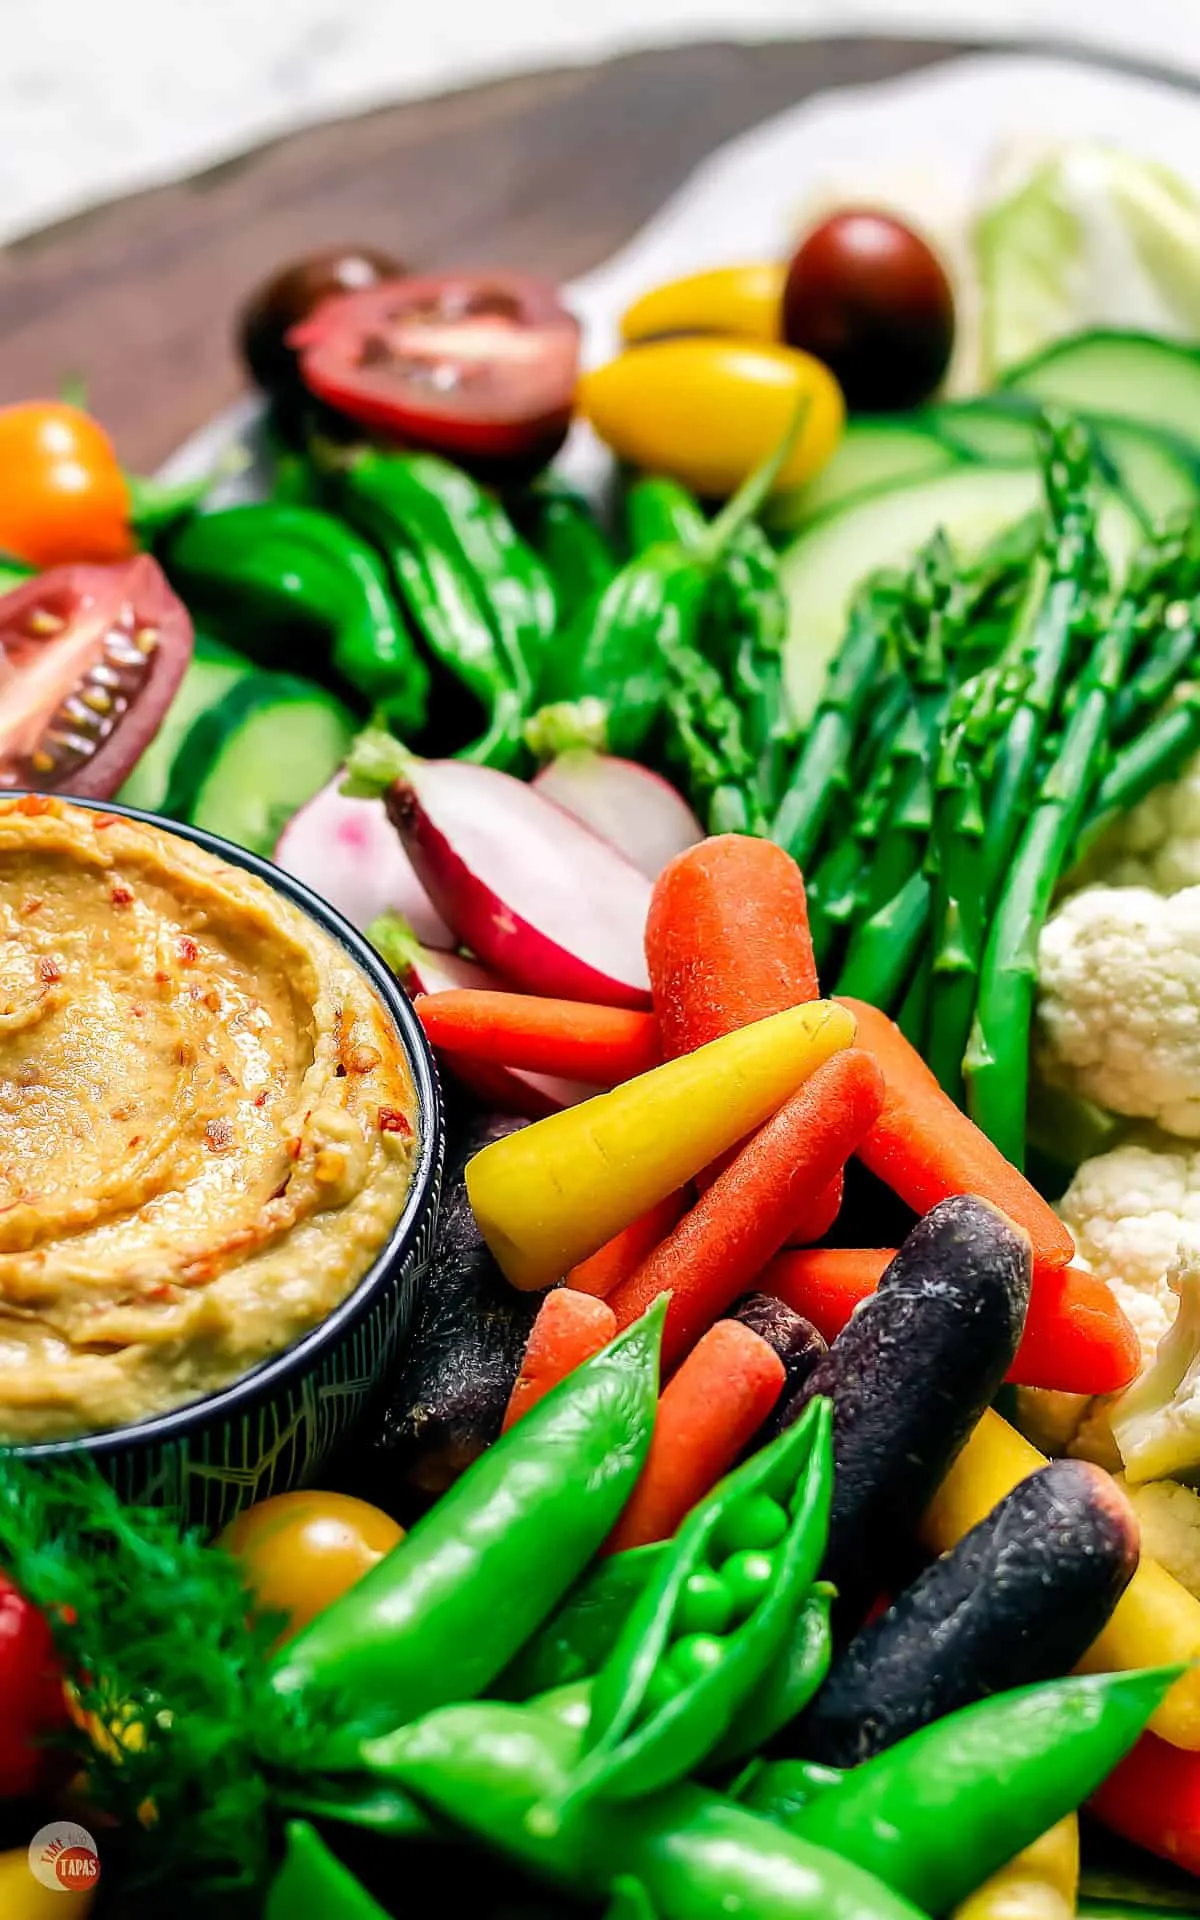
column 146, row 1269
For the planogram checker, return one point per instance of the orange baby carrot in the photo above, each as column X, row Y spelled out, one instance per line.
column 815, row 1217
column 925, row 1148
column 570, row 1327
column 707, row 1414
column 727, row 940
column 602, row 1045
column 744, row 1217
column 1076, row 1337
column 603, row 1272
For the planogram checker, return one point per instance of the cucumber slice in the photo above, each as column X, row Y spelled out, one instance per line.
column 213, row 670
column 253, row 760
column 1159, row 472
column 873, row 452
column 1128, row 376
column 823, row 564
column 988, row 429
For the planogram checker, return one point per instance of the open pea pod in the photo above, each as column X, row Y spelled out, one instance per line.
column 670, row 1691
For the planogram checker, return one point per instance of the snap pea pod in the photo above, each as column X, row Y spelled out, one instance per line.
column 714, row 1620
column 444, row 600
column 940, row 1811
column 313, row 1881
column 497, row 1771
column 575, row 1641
column 442, row 1614
column 265, row 567
column 788, row 1684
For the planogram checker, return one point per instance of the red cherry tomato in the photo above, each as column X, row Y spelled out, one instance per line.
column 90, row 659
column 480, row 366
column 32, row 1702
column 866, row 295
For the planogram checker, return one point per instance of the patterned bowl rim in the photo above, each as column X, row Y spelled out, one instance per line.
column 263, row 1379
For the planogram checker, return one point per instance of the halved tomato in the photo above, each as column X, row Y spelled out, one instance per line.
column 481, row 366
column 90, row 660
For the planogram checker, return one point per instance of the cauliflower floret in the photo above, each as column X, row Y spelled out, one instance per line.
column 1156, row 1421
column 1119, row 1003
column 1169, row 1517
column 1130, row 1211
column 1156, row 844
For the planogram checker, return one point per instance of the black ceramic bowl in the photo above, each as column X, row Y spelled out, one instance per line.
column 275, row 1427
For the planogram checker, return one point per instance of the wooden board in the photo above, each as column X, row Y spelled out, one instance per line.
column 551, row 172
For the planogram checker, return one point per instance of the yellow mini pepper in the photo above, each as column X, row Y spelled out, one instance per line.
column 1156, row 1622
column 1040, row 1884
column 548, row 1196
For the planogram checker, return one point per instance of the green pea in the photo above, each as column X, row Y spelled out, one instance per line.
column 757, row 1521
column 704, row 1605
column 661, row 1689
column 748, row 1576
column 696, row 1655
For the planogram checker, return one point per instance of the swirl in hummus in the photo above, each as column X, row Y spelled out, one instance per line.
column 207, row 1125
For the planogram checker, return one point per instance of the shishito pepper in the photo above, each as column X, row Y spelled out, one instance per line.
column 271, row 569
column 447, row 1609
column 548, row 1196
column 1156, row 1621
column 1041, row 1883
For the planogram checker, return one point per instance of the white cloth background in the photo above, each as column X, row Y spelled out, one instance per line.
column 99, row 97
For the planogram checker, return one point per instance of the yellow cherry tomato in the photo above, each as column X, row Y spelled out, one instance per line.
column 301, row 1551
column 62, row 493
column 708, row 411
column 747, row 301
column 23, row 1897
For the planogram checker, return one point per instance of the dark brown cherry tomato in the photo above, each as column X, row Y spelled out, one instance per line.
column 291, row 295
column 90, row 660
column 866, row 295
column 479, row 366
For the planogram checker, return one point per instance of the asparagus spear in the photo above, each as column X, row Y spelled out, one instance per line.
column 1058, row 603
column 886, row 947
column 1158, row 754
column 957, row 912
column 821, row 771
column 997, row 1059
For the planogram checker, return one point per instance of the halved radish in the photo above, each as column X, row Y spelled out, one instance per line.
column 537, row 896
column 636, row 811
column 348, row 852
column 422, row 970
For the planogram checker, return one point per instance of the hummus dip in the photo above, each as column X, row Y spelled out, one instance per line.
column 207, row 1125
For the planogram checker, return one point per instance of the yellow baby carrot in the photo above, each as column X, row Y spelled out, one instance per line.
column 1157, row 1621
column 1042, row 1883
column 550, row 1195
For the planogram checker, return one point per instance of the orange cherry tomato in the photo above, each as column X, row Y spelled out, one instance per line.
column 62, row 493
column 302, row 1551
